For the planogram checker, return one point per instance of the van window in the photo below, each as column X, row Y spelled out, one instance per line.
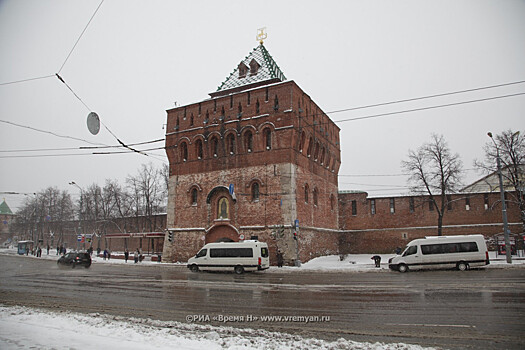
column 411, row 250
column 231, row 253
column 201, row 253
column 447, row 248
column 264, row 252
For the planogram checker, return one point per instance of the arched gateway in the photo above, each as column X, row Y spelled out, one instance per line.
column 222, row 233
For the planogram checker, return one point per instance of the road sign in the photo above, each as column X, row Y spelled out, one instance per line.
column 79, row 238
column 231, row 189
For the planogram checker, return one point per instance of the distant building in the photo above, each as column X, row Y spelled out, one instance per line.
column 6, row 219
column 490, row 183
column 258, row 158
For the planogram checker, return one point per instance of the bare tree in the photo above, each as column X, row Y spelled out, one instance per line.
column 511, row 149
column 436, row 173
column 147, row 190
column 44, row 215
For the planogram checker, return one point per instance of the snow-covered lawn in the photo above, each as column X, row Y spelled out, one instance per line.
column 26, row 328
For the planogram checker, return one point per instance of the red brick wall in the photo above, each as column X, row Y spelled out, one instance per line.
column 384, row 231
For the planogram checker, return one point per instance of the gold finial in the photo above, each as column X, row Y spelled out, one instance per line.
column 261, row 35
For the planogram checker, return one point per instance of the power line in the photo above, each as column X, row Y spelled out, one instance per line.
column 48, row 132
column 426, row 97
column 29, row 79
column 81, row 34
column 427, row 108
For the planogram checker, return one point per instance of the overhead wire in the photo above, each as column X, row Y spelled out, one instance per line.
column 80, row 36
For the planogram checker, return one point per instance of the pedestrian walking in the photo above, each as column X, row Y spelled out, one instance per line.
column 105, row 254
column 48, row 249
column 279, row 258
column 136, row 256
column 126, row 255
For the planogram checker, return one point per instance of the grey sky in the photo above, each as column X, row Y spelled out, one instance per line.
column 138, row 57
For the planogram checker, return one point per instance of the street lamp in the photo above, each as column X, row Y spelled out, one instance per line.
column 503, row 205
column 73, row 183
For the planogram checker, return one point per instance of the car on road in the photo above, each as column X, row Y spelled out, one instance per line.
column 73, row 259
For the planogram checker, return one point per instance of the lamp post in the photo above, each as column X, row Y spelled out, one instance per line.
column 503, row 205
column 73, row 183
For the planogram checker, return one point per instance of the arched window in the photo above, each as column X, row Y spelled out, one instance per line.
column 316, row 196
column 184, row 151
column 248, row 141
column 306, row 190
column 316, row 152
column 332, row 202
column 276, row 104
column 255, row 192
column 303, row 139
column 215, row 147
column 198, row 149
column 257, row 107
column 191, row 120
column 230, row 141
column 321, row 160
column 309, row 150
column 223, row 208
column 194, row 195
column 268, row 138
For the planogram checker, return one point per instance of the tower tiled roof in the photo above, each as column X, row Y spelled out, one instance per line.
column 4, row 209
column 257, row 67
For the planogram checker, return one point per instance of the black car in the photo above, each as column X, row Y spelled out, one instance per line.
column 73, row 259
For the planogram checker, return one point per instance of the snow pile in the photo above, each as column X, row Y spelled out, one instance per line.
column 364, row 262
column 26, row 328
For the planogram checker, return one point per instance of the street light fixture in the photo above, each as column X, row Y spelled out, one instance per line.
column 503, row 205
column 73, row 183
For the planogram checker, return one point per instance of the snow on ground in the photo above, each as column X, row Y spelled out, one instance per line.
column 350, row 263
column 364, row 262
column 26, row 328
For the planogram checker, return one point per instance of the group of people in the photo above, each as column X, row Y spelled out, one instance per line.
column 137, row 256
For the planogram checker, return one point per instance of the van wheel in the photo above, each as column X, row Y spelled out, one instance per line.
column 403, row 268
column 239, row 270
column 194, row 268
column 462, row 266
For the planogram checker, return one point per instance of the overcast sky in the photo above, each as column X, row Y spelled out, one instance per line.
column 137, row 58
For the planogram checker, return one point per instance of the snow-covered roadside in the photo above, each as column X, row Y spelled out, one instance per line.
column 330, row 263
column 26, row 328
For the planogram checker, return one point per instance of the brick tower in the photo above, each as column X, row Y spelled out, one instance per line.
column 257, row 158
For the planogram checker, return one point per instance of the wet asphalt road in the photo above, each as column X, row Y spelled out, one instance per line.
column 477, row 309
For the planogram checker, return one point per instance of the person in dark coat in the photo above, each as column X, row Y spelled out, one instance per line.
column 126, row 255
column 279, row 258
column 377, row 260
column 105, row 253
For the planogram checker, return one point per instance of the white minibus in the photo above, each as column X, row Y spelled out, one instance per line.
column 227, row 256
column 461, row 252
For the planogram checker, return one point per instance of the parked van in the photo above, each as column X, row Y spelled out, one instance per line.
column 228, row 256
column 461, row 252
